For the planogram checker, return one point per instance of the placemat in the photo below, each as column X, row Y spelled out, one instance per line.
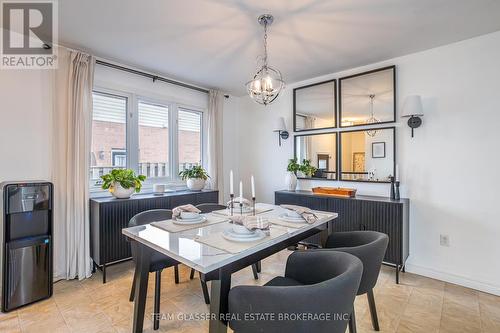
column 236, row 211
column 170, row 226
column 217, row 241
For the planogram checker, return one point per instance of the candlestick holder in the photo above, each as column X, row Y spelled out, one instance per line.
column 231, row 204
column 393, row 195
column 396, row 188
column 241, row 208
column 253, row 205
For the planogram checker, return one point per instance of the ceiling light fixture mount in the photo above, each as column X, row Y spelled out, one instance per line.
column 267, row 83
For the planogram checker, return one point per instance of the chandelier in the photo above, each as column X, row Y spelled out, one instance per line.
column 372, row 119
column 267, row 83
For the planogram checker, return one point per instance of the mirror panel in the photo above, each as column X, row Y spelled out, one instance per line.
column 315, row 106
column 367, row 155
column 368, row 98
column 321, row 150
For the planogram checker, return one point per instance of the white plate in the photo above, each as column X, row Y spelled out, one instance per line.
column 250, row 233
column 286, row 218
column 230, row 235
column 200, row 219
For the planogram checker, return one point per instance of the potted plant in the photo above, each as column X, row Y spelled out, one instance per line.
column 307, row 169
column 291, row 177
column 121, row 183
column 195, row 177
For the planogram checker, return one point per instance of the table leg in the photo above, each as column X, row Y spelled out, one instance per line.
column 219, row 291
column 141, row 285
column 324, row 234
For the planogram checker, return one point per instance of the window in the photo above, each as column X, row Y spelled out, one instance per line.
column 109, row 135
column 189, row 138
column 156, row 138
column 153, row 140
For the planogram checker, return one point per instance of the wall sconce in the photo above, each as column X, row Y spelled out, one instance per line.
column 280, row 127
column 412, row 109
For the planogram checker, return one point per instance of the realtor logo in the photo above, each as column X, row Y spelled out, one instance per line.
column 29, row 33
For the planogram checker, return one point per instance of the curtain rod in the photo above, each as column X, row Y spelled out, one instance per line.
column 151, row 76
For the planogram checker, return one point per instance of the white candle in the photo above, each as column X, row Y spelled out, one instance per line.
column 231, row 188
column 241, row 192
column 397, row 172
column 253, row 187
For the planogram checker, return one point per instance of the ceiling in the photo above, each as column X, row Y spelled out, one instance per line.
column 215, row 43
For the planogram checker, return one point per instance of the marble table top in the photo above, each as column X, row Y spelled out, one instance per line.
column 183, row 247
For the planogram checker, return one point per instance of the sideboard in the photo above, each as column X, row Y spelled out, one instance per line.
column 362, row 213
column 108, row 216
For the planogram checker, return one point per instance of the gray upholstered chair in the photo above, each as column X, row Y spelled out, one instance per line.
column 369, row 247
column 316, row 282
column 204, row 278
column 158, row 260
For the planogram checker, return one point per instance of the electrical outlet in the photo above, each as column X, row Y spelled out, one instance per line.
column 444, row 240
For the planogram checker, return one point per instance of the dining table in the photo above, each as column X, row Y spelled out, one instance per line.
column 202, row 249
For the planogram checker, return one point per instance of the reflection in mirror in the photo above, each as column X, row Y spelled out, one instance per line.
column 315, row 106
column 321, row 151
column 368, row 98
column 364, row 157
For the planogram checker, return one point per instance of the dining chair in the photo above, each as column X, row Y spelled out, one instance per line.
column 316, row 283
column 369, row 247
column 204, row 278
column 158, row 261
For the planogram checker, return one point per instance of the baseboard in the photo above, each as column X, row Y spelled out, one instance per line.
column 452, row 278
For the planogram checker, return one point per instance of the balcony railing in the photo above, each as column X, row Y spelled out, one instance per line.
column 148, row 169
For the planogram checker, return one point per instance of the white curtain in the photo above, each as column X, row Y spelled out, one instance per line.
column 72, row 119
column 214, row 140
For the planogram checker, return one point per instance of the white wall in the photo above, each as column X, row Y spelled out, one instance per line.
column 449, row 170
column 25, row 124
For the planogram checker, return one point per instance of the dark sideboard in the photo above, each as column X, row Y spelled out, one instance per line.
column 362, row 213
column 108, row 216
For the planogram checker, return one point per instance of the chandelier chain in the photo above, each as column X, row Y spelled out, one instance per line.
column 265, row 44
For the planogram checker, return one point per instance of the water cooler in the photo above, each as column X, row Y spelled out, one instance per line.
column 26, row 226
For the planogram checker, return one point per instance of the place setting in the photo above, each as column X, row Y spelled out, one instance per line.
column 187, row 217
column 244, row 232
column 295, row 216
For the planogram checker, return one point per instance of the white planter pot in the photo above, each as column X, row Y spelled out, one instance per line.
column 121, row 193
column 195, row 184
column 291, row 181
column 300, row 174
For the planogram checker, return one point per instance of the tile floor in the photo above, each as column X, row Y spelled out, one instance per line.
column 418, row 304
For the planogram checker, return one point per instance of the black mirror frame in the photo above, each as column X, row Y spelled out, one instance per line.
column 295, row 106
column 339, row 153
column 393, row 67
column 336, row 154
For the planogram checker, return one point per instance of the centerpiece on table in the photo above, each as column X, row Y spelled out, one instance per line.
column 195, row 177
column 122, row 183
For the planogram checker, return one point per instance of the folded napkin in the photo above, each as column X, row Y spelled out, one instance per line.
column 176, row 212
column 236, row 202
column 305, row 212
column 250, row 222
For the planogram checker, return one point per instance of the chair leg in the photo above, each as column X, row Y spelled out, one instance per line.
column 132, row 290
column 352, row 323
column 191, row 276
column 176, row 274
column 373, row 310
column 156, row 320
column 204, row 288
column 255, row 272
column 259, row 266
